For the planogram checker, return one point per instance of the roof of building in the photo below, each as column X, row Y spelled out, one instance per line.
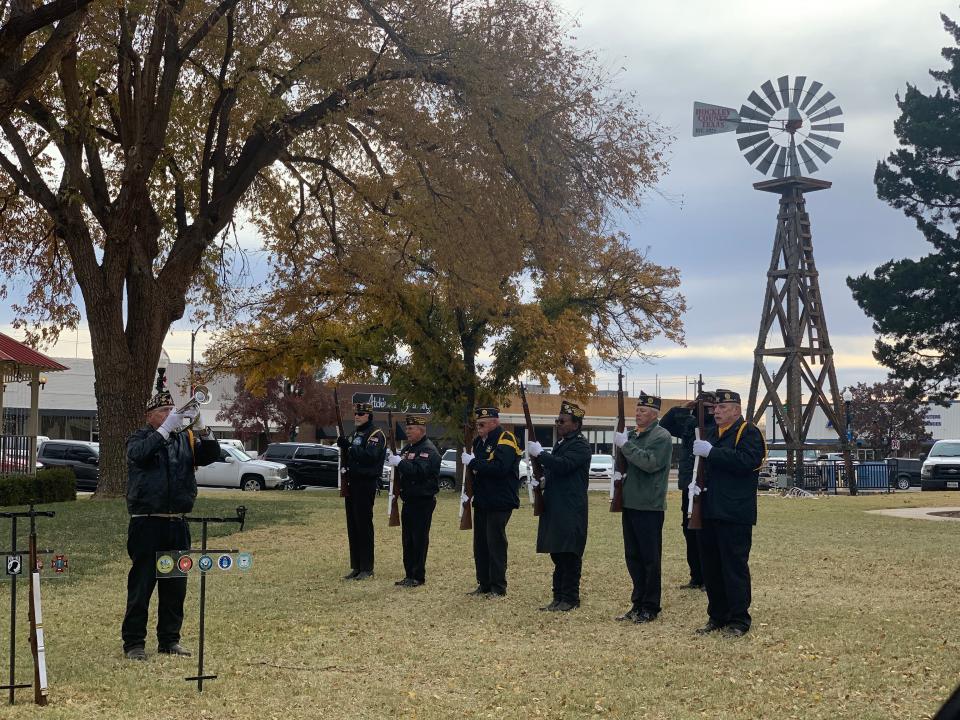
column 20, row 354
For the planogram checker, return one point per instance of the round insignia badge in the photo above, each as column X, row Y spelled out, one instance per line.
column 225, row 562
column 165, row 564
column 205, row 563
column 185, row 563
column 244, row 561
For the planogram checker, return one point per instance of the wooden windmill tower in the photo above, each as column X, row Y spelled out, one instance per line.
column 781, row 130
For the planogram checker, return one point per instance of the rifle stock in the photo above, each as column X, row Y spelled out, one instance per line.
column 538, row 479
column 466, row 493
column 394, row 520
column 620, row 462
column 695, row 513
column 344, row 458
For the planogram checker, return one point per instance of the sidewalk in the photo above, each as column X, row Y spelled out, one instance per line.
column 921, row 513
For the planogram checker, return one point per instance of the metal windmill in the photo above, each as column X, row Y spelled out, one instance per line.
column 784, row 131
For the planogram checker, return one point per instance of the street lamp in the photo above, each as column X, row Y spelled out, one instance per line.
column 847, row 405
column 847, row 459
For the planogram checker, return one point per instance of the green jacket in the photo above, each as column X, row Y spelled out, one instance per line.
column 648, row 468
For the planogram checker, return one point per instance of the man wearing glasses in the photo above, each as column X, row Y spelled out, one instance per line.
column 495, row 463
column 563, row 525
column 365, row 451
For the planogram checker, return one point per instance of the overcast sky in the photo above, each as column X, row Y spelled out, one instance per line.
column 705, row 218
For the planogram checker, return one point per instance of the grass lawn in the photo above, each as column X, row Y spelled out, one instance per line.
column 855, row 616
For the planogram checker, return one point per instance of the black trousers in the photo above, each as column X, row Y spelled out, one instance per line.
column 643, row 546
column 567, row 567
column 415, row 518
column 146, row 536
column 725, row 550
column 359, row 507
column 490, row 548
column 693, row 545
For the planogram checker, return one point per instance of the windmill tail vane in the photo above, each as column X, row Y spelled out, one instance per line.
column 782, row 130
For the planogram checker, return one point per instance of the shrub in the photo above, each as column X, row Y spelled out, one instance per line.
column 47, row 486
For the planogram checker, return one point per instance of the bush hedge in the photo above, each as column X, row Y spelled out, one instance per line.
column 47, row 486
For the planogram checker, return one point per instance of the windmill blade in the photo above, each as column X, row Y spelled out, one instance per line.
column 780, row 168
column 759, row 150
column 811, row 93
column 764, row 165
column 767, row 88
column 832, row 142
column 827, row 114
column 752, row 114
column 784, row 84
column 750, row 127
column 798, row 88
column 829, row 127
column 749, row 140
column 760, row 103
column 824, row 99
column 818, row 151
column 807, row 160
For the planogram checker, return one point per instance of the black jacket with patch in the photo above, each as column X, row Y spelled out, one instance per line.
column 160, row 475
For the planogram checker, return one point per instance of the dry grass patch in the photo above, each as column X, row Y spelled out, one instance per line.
column 854, row 618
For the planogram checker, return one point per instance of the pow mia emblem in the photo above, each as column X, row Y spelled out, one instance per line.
column 14, row 564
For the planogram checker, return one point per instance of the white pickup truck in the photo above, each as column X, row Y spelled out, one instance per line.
column 236, row 469
column 941, row 467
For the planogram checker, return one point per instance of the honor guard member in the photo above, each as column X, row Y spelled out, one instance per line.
column 733, row 451
column 647, row 450
column 681, row 422
column 161, row 488
column 418, row 470
column 365, row 449
column 563, row 524
column 495, row 463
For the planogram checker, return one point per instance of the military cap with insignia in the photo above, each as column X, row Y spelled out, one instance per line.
column 727, row 396
column 569, row 408
column 487, row 412
column 650, row 401
column 161, row 399
column 416, row 420
column 363, row 408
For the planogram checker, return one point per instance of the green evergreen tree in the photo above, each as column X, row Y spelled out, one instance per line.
column 915, row 304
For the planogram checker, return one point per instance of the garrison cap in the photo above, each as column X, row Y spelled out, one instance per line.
column 727, row 396
column 161, row 399
column 363, row 408
column 487, row 412
column 416, row 420
column 569, row 408
column 650, row 401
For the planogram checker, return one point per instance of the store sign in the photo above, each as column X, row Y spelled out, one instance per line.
column 384, row 403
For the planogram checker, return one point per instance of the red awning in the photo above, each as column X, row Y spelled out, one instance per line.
column 25, row 357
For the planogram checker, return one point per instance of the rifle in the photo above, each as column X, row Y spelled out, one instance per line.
column 620, row 462
column 344, row 455
column 694, row 506
column 37, row 645
column 394, row 512
column 466, row 491
column 538, row 482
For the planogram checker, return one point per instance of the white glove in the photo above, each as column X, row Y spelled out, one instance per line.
column 393, row 460
column 466, row 458
column 702, row 448
column 693, row 489
column 534, row 448
column 620, row 439
column 198, row 424
column 172, row 422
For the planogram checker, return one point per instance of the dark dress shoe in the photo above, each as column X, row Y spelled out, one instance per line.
column 644, row 617
column 363, row 575
column 629, row 615
column 564, row 606
column 479, row 591
column 401, row 583
column 710, row 627
column 351, row 575
column 551, row 607
column 413, row 582
column 137, row 653
column 735, row 631
column 497, row 594
column 175, row 649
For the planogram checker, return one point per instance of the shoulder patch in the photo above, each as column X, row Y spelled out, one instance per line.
column 507, row 438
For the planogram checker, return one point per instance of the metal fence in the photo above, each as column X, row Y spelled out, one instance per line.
column 16, row 453
column 831, row 477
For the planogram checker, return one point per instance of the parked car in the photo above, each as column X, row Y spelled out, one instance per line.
column 238, row 444
column 308, row 464
column 82, row 456
column 941, row 468
column 448, row 470
column 904, row 472
column 601, row 467
column 237, row 469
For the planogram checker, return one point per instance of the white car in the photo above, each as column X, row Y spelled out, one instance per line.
column 601, row 467
column 236, row 469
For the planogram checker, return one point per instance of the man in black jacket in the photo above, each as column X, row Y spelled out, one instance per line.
column 563, row 525
column 161, row 488
column 681, row 422
column 365, row 451
column 734, row 451
column 495, row 463
column 418, row 467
